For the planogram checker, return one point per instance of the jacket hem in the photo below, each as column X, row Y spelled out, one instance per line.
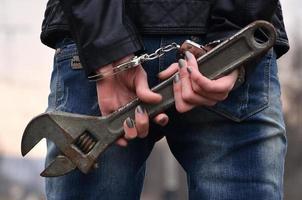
column 53, row 34
column 93, row 58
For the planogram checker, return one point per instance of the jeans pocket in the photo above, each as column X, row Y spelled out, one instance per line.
column 252, row 96
column 70, row 89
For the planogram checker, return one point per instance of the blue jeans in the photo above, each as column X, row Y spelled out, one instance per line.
column 234, row 150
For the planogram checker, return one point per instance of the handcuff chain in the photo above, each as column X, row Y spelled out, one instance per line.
column 159, row 52
column 135, row 61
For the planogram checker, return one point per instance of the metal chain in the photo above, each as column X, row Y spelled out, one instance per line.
column 160, row 52
column 134, row 62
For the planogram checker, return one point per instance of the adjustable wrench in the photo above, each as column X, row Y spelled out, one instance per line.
column 81, row 138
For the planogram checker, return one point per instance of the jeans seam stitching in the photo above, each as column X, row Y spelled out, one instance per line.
column 57, row 85
column 268, row 77
column 64, row 101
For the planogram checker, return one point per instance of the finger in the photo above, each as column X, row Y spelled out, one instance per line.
column 192, row 63
column 129, row 128
column 161, row 119
column 142, row 89
column 180, row 104
column 228, row 80
column 205, row 85
column 197, row 100
column 122, row 142
column 141, row 122
column 191, row 60
column 167, row 73
column 189, row 97
column 187, row 92
column 214, row 96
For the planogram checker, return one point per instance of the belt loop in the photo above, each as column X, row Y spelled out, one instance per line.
column 75, row 63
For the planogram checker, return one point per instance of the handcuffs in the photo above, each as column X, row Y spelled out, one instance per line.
column 196, row 49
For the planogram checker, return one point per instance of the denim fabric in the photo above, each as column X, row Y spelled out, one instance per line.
column 234, row 150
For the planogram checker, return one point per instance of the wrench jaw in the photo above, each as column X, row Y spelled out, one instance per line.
column 34, row 133
column 38, row 128
column 58, row 167
column 89, row 138
column 79, row 138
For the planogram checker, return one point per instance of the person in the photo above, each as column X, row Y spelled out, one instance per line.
column 230, row 141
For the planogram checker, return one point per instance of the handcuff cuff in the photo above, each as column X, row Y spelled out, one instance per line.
column 196, row 49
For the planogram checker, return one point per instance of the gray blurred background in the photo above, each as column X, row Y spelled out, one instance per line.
column 25, row 67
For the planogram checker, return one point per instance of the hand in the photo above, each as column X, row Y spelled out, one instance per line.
column 192, row 89
column 118, row 90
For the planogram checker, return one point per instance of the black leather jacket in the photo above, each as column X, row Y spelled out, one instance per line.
column 107, row 30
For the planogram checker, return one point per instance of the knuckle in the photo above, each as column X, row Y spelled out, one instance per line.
column 196, row 89
column 188, row 96
column 227, row 88
column 140, row 90
column 142, row 122
column 130, row 135
column 207, row 87
column 109, row 104
column 105, row 110
column 211, row 103
column 230, row 88
column 180, row 108
column 143, row 133
column 195, row 78
column 223, row 97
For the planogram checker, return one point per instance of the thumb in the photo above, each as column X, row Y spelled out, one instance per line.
column 142, row 88
column 172, row 69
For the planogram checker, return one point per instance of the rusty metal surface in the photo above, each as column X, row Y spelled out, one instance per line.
column 81, row 139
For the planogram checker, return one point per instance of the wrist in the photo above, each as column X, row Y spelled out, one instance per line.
column 104, row 68
column 109, row 69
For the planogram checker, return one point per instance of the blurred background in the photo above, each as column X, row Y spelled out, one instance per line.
column 25, row 67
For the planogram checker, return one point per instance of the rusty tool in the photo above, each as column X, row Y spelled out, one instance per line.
column 81, row 139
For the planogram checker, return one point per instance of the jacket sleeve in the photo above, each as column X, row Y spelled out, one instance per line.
column 101, row 30
column 228, row 16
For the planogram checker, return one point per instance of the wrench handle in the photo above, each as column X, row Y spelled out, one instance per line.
column 221, row 60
